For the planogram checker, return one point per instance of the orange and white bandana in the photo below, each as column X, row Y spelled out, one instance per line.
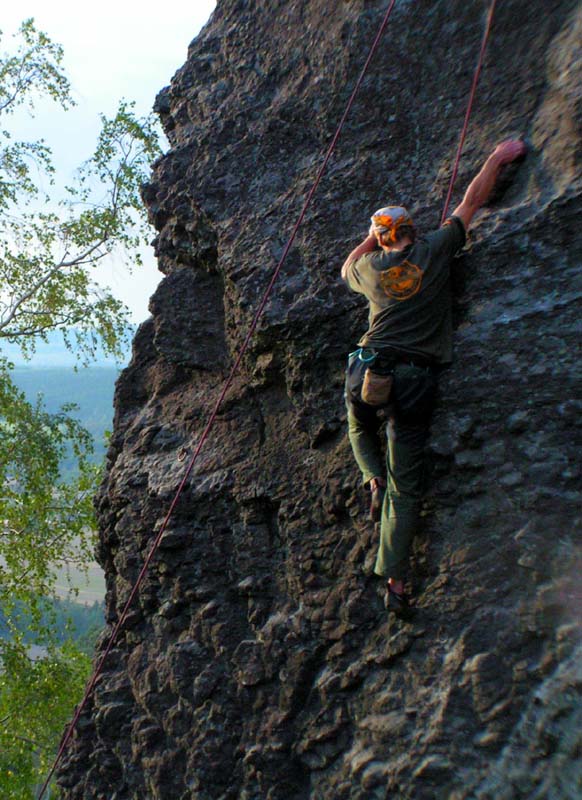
column 389, row 219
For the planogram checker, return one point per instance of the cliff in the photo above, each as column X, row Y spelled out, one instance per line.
column 258, row 661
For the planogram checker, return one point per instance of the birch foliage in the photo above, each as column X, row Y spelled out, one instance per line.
column 52, row 239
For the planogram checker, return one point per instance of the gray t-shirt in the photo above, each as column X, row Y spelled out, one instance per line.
column 410, row 295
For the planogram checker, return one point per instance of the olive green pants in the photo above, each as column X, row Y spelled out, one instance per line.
column 412, row 401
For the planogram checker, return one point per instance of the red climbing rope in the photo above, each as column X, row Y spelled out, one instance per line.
column 469, row 109
column 216, row 409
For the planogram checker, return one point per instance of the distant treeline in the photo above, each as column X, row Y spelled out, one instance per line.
column 91, row 389
column 70, row 621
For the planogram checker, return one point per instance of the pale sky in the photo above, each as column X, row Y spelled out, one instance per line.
column 113, row 50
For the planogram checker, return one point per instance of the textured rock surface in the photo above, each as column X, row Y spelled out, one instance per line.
column 258, row 661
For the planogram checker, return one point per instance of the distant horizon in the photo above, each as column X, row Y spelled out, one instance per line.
column 54, row 353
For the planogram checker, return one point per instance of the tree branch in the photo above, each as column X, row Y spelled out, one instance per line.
column 79, row 260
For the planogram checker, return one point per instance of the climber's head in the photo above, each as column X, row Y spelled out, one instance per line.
column 392, row 225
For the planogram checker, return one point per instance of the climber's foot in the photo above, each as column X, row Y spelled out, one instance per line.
column 396, row 601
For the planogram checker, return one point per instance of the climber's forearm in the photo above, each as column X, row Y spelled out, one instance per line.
column 482, row 185
column 479, row 190
column 369, row 244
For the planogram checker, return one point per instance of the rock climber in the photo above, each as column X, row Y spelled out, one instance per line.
column 394, row 372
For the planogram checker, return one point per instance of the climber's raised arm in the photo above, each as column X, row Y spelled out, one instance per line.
column 482, row 184
column 370, row 243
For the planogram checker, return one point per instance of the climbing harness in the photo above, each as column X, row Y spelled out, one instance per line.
column 213, row 415
column 122, row 617
column 376, row 377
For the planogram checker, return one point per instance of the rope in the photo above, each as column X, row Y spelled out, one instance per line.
column 469, row 109
column 216, row 409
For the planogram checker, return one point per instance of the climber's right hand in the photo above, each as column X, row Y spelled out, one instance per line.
column 510, row 150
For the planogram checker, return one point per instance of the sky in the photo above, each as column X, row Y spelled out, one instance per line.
column 112, row 50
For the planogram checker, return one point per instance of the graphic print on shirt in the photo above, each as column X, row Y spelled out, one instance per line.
column 401, row 282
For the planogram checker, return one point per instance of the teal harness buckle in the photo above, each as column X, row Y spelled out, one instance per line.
column 366, row 354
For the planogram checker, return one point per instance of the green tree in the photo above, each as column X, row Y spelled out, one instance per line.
column 48, row 247
column 35, row 706
column 44, row 521
column 51, row 240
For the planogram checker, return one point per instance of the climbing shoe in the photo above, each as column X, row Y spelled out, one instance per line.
column 397, row 604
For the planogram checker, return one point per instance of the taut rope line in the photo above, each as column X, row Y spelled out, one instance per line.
column 469, row 109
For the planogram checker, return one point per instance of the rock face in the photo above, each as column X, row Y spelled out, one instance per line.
column 258, row 661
